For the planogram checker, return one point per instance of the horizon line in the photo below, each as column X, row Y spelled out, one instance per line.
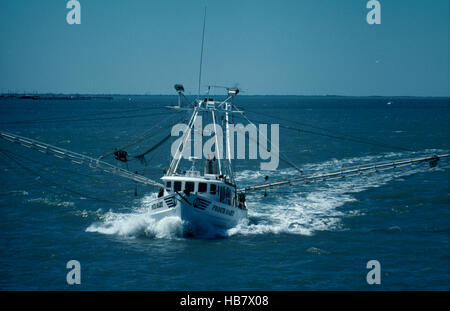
column 170, row 94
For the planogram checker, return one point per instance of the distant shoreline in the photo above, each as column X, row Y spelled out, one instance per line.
column 54, row 96
column 51, row 96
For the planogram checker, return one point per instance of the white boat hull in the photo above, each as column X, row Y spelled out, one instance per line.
column 197, row 212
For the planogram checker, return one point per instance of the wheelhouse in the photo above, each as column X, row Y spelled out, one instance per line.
column 216, row 189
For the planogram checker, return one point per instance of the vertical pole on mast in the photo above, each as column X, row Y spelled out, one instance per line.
column 201, row 56
column 217, row 142
column 227, row 138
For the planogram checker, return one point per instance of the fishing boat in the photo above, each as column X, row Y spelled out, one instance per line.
column 206, row 195
column 202, row 198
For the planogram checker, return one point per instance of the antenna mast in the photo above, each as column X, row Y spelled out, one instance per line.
column 201, row 56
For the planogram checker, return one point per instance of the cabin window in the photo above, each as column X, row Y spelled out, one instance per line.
column 177, row 186
column 202, row 187
column 212, row 189
column 227, row 195
column 221, row 194
column 190, row 186
column 168, row 184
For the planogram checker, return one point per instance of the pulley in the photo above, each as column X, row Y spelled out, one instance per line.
column 121, row 155
column 434, row 161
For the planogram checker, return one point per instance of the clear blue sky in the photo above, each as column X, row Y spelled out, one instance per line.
column 304, row 47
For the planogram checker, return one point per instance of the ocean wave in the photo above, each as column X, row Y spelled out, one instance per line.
column 17, row 193
column 52, row 202
column 316, row 207
column 137, row 225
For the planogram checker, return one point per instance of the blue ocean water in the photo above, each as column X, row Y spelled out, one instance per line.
column 313, row 237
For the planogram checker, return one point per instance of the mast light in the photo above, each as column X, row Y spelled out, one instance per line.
column 179, row 87
column 233, row 91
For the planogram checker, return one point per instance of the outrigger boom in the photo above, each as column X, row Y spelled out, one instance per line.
column 278, row 183
column 77, row 158
column 343, row 173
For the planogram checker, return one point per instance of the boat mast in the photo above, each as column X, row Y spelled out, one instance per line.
column 201, row 56
column 217, row 142
column 227, row 138
column 187, row 134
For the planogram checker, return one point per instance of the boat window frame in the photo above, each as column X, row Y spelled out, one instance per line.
column 211, row 191
column 177, row 182
column 205, row 189
column 221, row 194
column 227, row 195
column 189, row 183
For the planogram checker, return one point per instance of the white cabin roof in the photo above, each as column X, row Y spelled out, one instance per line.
column 205, row 179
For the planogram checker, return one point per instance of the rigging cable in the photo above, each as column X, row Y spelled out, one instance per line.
column 340, row 137
column 83, row 119
column 145, row 136
column 81, row 116
column 47, row 169
column 268, row 140
column 141, row 157
column 55, row 184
